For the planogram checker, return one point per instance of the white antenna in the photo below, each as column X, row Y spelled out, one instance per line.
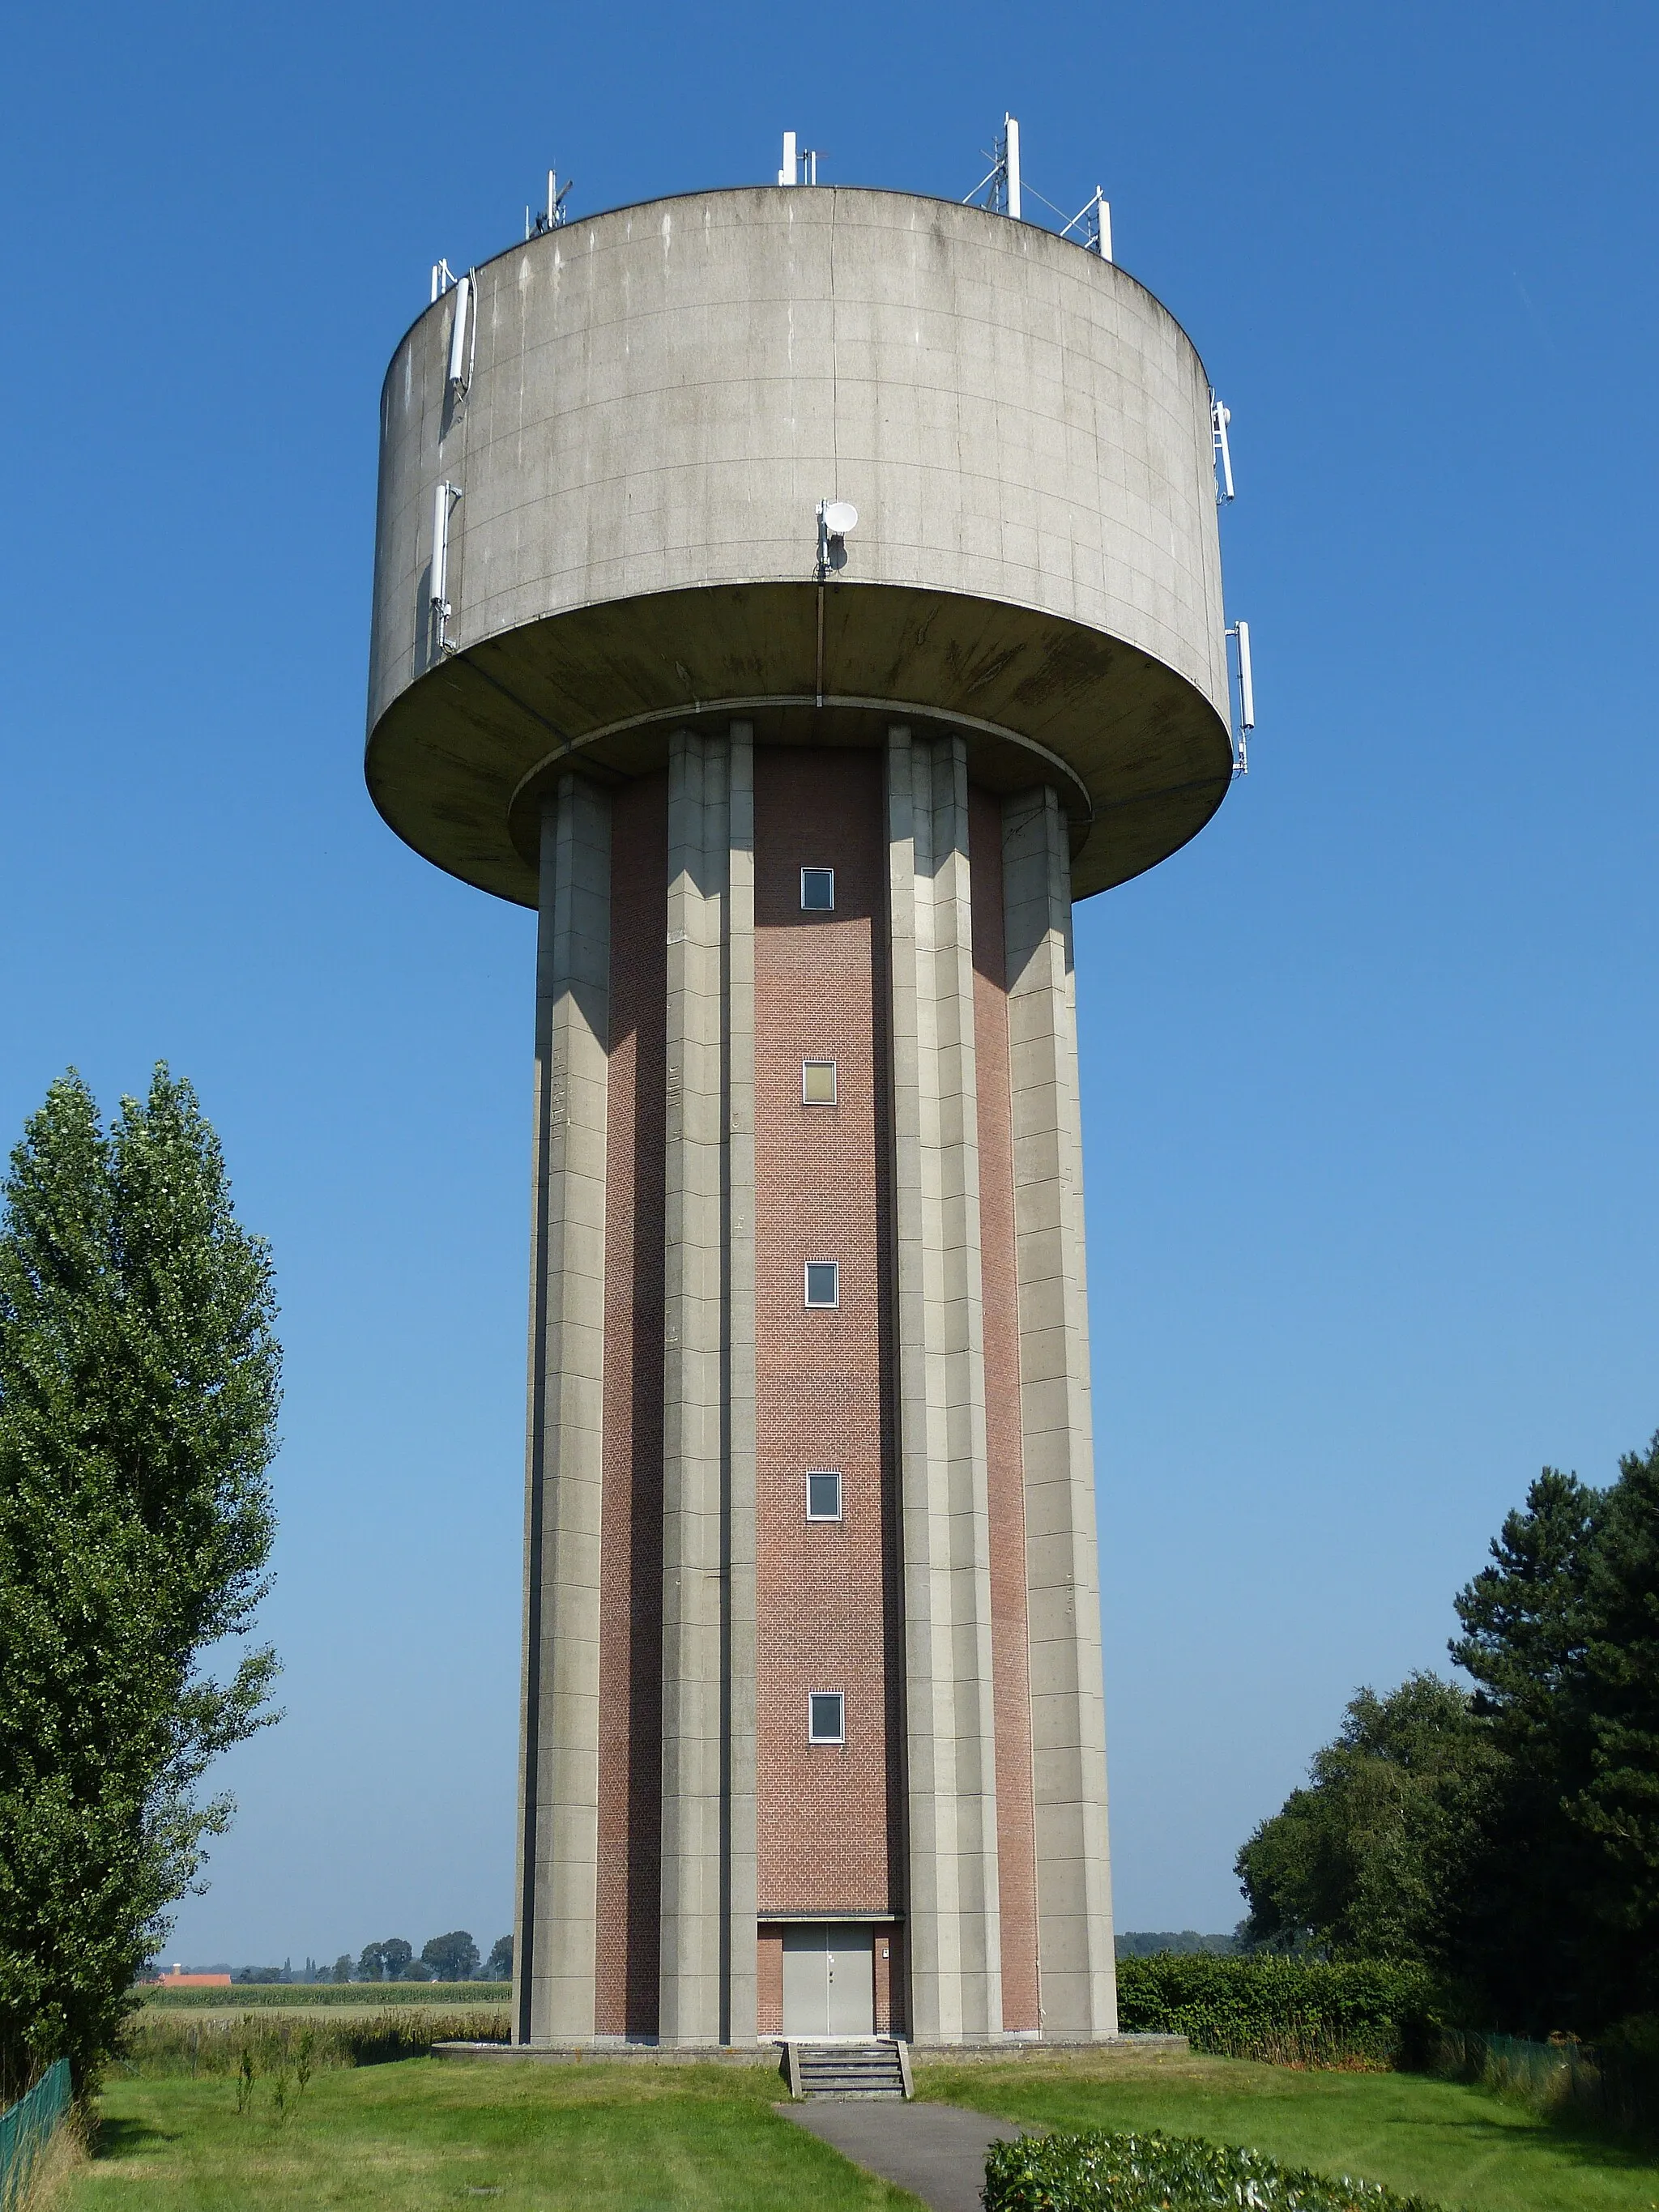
column 444, row 497
column 1220, row 418
column 1246, row 695
column 554, row 215
column 1097, row 214
column 1002, row 177
column 800, row 167
column 837, row 519
column 460, row 353
column 442, row 278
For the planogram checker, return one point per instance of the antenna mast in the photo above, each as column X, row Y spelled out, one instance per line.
column 1241, row 633
column 554, row 215
column 1000, row 184
column 799, row 167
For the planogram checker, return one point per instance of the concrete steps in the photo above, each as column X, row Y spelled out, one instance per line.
column 848, row 2069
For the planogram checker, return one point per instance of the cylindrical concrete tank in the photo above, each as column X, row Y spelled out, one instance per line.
column 813, row 1734
column 660, row 396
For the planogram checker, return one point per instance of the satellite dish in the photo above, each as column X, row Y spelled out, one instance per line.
column 840, row 516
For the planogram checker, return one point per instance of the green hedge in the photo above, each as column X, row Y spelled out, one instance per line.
column 241, row 1996
column 1094, row 2171
column 1287, row 2011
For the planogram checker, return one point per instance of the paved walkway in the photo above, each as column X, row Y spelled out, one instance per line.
column 935, row 2151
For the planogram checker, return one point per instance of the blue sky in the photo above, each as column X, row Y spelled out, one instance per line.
column 1370, row 1068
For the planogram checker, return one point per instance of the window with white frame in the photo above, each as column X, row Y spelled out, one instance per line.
column 823, row 1282
column 817, row 891
column 818, row 1083
column 826, row 1716
column 823, row 1494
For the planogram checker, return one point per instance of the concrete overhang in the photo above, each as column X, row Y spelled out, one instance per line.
column 1138, row 756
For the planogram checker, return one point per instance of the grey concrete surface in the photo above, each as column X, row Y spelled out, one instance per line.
column 1076, row 1973
column 742, row 1865
column 659, row 398
column 707, row 1976
column 935, row 2151
column 694, row 1410
column 559, row 1753
column 954, row 1929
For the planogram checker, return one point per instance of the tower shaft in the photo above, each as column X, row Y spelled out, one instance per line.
column 683, row 1839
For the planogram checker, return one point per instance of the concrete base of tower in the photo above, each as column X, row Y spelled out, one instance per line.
column 625, row 2050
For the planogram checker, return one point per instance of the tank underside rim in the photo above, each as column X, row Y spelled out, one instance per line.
column 524, row 809
column 1138, row 756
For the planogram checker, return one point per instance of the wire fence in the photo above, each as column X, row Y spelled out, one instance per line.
column 1561, row 2078
column 28, row 2127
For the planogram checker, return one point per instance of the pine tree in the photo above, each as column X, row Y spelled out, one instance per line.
column 1617, row 1809
column 1523, row 1943
column 138, row 1393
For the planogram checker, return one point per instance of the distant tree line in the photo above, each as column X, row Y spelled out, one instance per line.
column 1505, row 1837
column 1137, row 1943
column 452, row 1958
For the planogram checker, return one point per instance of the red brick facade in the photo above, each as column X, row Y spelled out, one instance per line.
column 830, row 1820
column 827, row 1818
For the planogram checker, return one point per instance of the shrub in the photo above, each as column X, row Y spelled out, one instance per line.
column 1094, row 2171
column 1289, row 2012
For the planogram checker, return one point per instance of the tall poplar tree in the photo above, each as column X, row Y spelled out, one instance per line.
column 139, row 1381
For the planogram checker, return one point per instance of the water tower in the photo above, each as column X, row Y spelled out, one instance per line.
column 800, row 596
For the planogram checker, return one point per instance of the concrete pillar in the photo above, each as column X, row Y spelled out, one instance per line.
column 1079, row 1984
column 558, row 1780
column 954, row 1939
column 741, row 1845
column 707, row 1970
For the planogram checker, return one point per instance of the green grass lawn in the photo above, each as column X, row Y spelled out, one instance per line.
column 608, row 2138
column 425, row 2133
column 1466, row 2148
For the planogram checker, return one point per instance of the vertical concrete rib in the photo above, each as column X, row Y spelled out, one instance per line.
column 702, row 1367
column 741, row 1841
column 558, row 1773
column 954, row 1934
column 1078, row 1984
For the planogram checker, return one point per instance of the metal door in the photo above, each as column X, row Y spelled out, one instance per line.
column 852, row 1981
column 828, row 1980
column 805, row 1982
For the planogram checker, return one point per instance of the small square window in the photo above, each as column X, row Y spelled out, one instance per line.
column 823, row 1495
column 818, row 1083
column 817, row 891
column 823, row 1282
column 826, row 1716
